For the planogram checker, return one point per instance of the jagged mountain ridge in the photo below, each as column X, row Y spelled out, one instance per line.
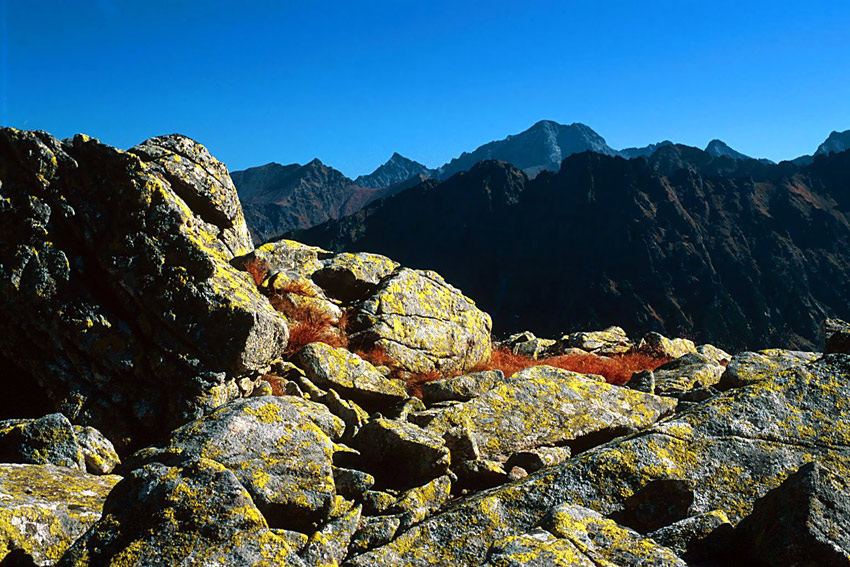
column 281, row 198
column 292, row 196
column 837, row 142
column 719, row 249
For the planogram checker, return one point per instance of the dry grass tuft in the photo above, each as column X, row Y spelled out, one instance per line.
column 308, row 325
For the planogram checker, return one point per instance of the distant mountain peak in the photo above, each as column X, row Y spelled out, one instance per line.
column 395, row 170
column 837, row 142
column 719, row 148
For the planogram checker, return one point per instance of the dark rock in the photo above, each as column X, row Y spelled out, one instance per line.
column 401, row 454
column 643, row 381
column 657, row 504
column 695, row 536
column 836, row 336
column 804, row 522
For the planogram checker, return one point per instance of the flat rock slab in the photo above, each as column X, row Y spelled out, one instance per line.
column 45, row 508
column 422, row 323
column 733, row 449
column 280, row 449
column 548, row 406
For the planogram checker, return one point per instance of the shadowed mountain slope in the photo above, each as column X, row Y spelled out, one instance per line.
column 723, row 250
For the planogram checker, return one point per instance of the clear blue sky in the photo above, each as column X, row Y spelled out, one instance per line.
column 352, row 81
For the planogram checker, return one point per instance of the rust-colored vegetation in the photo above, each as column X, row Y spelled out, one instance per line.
column 308, row 323
column 276, row 382
column 257, row 269
column 617, row 369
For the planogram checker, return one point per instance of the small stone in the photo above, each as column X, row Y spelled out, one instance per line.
column 539, row 458
column 658, row 344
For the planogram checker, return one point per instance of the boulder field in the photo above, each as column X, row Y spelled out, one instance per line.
column 174, row 396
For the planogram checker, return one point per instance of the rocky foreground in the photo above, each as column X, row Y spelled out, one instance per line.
column 174, row 396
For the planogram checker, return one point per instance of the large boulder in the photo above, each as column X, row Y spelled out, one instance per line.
column 117, row 299
column 732, row 450
column 52, row 440
column 422, row 324
column 542, row 405
column 194, row 514
column 44, row 509
column 805, row 521
column 280, row 448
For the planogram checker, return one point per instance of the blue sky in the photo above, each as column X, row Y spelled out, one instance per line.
column 351, row 82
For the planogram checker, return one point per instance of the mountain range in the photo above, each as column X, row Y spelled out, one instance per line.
column 279, row 198
column 685, row 242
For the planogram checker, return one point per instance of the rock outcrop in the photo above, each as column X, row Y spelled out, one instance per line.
column 117, row 298
column 737, row 253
